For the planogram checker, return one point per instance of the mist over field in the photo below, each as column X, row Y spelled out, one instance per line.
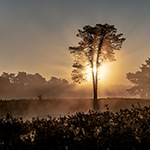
column 56, row 107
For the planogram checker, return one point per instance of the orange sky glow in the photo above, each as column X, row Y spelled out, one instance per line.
column 35, row 37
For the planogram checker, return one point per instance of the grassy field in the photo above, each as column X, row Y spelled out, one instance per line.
column 56, row 107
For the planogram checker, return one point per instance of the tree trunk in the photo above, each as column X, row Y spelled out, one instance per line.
column 95, row 100
column 95, row 62
column 95, row 75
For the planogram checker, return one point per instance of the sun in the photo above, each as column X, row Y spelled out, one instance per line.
column 102, row 73
column 88, row 74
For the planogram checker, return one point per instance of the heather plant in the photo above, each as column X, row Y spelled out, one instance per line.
column 126, row 129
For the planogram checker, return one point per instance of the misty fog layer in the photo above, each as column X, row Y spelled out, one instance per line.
column 56, row 107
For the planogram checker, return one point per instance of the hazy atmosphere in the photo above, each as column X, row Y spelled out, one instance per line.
column 35, row 35
column 49, row 48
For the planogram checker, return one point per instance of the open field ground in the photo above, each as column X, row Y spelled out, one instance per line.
column 56, row 107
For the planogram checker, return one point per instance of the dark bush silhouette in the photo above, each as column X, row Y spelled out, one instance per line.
column 140, row 81
column 126, row 129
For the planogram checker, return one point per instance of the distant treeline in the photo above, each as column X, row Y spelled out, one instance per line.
column 25, row 85
column 34, row 86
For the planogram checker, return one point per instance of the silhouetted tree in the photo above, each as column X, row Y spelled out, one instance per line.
column 57, row 86
column 97, row 45
column 23, row 85
column 5, row 86
column 36, row 79
column 21, row 78
column 140, row 81
column 10, row 77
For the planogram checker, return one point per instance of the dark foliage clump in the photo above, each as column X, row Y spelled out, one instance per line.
column 140, row 81
column 127, row 129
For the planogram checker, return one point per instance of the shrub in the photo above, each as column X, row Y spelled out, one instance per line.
column 127, row 129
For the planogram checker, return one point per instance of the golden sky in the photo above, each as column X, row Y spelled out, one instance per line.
column 35, row 35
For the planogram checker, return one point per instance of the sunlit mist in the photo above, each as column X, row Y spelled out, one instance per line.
column 88, row 73
column 103, row 73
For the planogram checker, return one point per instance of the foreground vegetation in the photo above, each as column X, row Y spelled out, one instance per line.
column 126, row 129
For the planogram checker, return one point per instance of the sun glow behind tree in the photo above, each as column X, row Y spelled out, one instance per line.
column 97, row 46
column 103, row 73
